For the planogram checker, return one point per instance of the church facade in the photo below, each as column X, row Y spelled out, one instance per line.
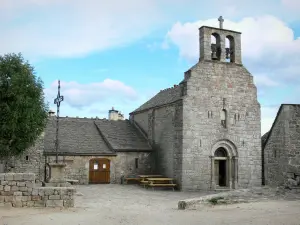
column 204, row 132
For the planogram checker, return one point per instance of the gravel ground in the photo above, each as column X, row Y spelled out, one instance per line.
column 131, row 204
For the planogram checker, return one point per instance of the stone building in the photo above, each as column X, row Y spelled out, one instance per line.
column 94, row 150
column 206, row 130
column 281, row 147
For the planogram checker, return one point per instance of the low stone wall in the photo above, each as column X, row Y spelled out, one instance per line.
column 19, row 190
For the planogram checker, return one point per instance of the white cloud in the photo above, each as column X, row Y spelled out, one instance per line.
column 291, row 4
column 262, row 80
column 260, row 36
column 268, row 113
column 78, row 95
column 74, row 28
column 269, row 49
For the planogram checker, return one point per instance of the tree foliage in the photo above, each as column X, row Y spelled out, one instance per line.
column 23, row 111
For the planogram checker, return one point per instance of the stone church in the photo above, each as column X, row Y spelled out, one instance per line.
column 204, row 132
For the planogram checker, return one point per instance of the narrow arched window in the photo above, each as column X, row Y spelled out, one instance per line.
column 230, row 49
column 215, row 47
column 224, row 118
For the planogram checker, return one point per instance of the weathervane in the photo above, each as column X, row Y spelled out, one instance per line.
column 57, row 101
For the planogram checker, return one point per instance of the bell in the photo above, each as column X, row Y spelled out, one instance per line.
column 214, row 56
column 229, row 53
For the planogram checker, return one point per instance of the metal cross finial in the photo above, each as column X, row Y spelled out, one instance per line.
column 221, row 20
column 57, row 101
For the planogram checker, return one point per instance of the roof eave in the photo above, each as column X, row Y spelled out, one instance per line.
column 79, row 154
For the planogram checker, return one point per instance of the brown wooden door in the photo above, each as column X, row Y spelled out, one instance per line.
column 99, row 171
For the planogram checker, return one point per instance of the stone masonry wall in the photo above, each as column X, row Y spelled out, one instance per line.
column 19, row 190
column 282, row 151
column 165, row 133
column 31, row 161
column 123, row 164
column 210, row 87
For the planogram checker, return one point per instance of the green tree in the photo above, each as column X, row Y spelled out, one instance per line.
column 23, row 111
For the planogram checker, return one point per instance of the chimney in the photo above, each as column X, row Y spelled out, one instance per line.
column 115, row 114
column 51, row 113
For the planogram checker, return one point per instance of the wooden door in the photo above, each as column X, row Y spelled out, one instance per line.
column 99, row 171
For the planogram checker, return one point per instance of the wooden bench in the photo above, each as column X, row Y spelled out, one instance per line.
column 161, row 182
column 144, row 183
column 137, row 179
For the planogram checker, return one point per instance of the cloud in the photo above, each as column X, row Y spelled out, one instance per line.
column 74, row 28
column 268, row 113
column 79, row 95
column 269, row 50
column 262, row 80
column 291, row 4
column 268, row 44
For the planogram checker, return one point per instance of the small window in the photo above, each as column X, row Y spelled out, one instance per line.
column 136, row 163
column 95, row 166
column 27, row 157
column 223, row 118
column 104, row 166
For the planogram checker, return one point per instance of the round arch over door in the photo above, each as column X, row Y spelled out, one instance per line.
column 99, row 171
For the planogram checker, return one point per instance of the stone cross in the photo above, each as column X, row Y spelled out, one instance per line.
column 221, row 20
column 57, row 101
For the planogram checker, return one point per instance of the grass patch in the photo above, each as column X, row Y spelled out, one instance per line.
column 214, row 201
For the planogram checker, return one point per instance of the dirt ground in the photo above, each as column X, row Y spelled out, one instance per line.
column 131, row 204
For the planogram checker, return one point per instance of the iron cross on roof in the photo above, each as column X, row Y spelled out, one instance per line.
column 221, row 20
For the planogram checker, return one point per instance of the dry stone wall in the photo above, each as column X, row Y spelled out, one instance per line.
column 20, row 190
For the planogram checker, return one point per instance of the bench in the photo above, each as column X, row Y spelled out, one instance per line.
column 132, row 179
column 162, row 185
column 144, row 182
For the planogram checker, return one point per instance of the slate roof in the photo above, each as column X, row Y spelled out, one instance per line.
column 83, row 136
column 164, row 97
column 78, row 136
column 122, row 135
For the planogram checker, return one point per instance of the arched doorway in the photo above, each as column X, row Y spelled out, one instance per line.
column 99, row 171
column 224, row 165
column 220, row 167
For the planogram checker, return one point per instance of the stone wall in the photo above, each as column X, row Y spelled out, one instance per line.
column 212, row 87
column 19, row 190
column 123, row 164
column 165, row 133
column 282, row 150
column 31, row 161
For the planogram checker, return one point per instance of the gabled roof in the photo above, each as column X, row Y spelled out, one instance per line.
column 77, row 136
column 266, row 136
column 164, row 97
column 122, row 135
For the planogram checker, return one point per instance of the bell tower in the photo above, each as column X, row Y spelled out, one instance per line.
column 218, row 44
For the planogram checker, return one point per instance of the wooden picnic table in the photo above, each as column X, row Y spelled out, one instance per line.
column 160, row 179
column 144, row 178
column 161, row 182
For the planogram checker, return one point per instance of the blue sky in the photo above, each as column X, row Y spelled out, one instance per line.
column 113, row 53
